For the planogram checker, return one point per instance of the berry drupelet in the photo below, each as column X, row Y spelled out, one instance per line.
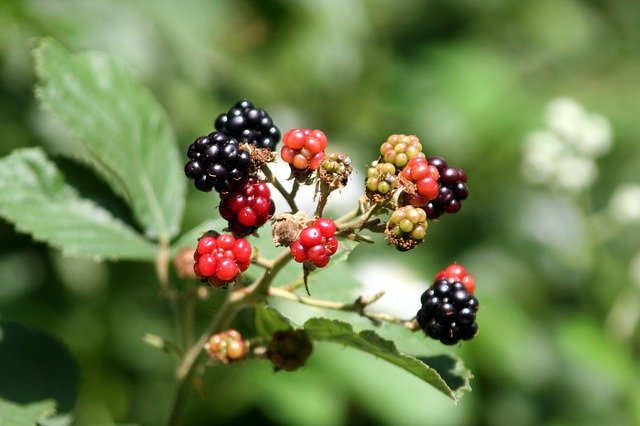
column 216, row 161
column 249, row 124
column 448, row 312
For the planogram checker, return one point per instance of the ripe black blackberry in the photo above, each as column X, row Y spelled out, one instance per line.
column 452, row 189
column 249, row 124
column 448, row 312
column 216, row 161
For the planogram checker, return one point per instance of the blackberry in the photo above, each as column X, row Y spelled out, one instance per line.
column 216, row 161
column 248, row 207
column 227, row 346
column 249, row 124
column 452, row 189
column 335, row 169
column 448, row 312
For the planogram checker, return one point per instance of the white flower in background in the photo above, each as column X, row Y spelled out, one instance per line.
column 563, row 155
column 624, row 205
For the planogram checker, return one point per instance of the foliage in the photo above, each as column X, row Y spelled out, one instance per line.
column 557, row 273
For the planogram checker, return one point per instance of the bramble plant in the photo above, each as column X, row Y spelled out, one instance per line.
column 245, row 252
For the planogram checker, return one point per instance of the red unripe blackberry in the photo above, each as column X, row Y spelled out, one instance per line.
column 249, row 124
column 315, row 243
column 303, row 149
column 425, row 178
column 453, row 189
column 216, row 161
column 248, row 207
column 448, row 312
column 219, row 260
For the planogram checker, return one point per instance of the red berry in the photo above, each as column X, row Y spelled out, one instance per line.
column 242, row 250
column 318, row 255
column 225, row 241
column 326, row 226
column 304, row 148
column 207, row 264
column 247, row 217
column 227, row 270
column 331, row 245
column 298, row 252
column 206, row 244
column 428, row 188
column 310, row 236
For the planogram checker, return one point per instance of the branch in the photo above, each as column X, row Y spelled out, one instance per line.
column 288, row 196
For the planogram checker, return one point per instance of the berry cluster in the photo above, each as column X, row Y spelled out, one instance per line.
column 452, row 189
column 457, row 272
column 226, row 347
column 400, row 149
column 425, row 178
column 219, row 260
column 407, row 227
column 216, row 161
column 289, row 349
column 315, row 243
column 448, row 312
column 249, row 124
column 381, row 179
column 303, row 149
column 248, row 207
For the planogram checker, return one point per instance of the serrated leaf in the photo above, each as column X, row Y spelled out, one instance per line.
column 268, row 321
column 35, row 197
column 27, row 414
column 369, row 341
column 124, row 133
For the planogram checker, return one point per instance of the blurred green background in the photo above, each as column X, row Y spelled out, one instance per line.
column 557, row 272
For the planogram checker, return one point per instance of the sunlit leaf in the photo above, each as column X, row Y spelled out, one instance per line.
column 35, row 197
column 123, row 132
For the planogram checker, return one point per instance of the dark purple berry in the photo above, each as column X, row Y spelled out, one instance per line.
column 248, row 124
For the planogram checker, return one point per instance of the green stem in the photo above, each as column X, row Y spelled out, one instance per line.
column 236, row 300
column 288, row 196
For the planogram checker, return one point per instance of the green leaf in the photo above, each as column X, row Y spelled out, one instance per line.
column 25, row 415
column 34, row 196
column 322, row 329
column 123, row 132
column 268, row 321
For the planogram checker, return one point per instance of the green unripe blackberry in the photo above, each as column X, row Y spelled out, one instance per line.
column 407, row 227
column 400, row 149
column 335, row 170
column 381, row 180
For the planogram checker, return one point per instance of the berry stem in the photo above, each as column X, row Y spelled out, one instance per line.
column 288, row 196
column 236, row 300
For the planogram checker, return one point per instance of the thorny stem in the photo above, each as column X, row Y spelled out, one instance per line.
column 236, row 300
column 358, row 306
column 288, row 196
